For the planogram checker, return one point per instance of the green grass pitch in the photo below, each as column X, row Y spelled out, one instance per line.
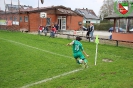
column 26, row 59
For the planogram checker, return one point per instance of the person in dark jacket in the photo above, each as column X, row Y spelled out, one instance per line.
column 45, row 30
column 91, row 31
column 88, row 32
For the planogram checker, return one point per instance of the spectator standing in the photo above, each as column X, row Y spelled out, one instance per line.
column 45, row 30
column 91, row 31
column 40, row 29
column 53, row 31
column 88, row 32
column 57, row 27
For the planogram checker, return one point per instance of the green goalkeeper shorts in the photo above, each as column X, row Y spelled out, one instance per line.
column 78, row 55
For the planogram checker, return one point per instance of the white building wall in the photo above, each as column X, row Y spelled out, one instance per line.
column 91, row 21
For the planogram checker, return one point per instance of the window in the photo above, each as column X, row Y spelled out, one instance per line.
column 26, row 19
column 89, row 13
column 20, row 19
column 15, row 19
column 83, row 13
column 10, row 18
column 6, row 18
column 79, row 22
column 48, row 21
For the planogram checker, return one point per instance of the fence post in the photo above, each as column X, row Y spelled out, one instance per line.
column 116, row 42
column 89, row 39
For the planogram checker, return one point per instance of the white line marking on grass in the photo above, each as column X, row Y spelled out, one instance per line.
column 36, row 48
column 49, row 79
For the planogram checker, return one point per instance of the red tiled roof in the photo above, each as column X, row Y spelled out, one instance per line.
column 66, row 11
column 61, row 9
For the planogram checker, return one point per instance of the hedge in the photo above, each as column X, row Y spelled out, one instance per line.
column 101, row 26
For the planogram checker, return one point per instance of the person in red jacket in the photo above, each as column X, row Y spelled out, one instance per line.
column 53, row 31
column 40, row 29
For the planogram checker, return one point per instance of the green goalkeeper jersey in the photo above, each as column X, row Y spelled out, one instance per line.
column 77, row 46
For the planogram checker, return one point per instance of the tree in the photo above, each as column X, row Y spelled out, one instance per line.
column 107, row 8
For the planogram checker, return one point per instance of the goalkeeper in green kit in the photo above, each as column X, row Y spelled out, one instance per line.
column 77, row 51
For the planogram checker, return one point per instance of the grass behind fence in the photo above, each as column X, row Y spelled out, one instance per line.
column 27, row 58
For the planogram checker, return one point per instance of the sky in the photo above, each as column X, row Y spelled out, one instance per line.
column 73, row 4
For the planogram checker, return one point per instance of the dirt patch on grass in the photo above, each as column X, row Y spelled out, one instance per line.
column 107, row 60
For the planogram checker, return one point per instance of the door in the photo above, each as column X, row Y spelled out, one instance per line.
column 62, row 22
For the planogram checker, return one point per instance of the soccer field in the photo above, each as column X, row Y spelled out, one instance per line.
column 34, row 61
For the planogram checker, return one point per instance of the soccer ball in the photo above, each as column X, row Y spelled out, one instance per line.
column 80, row 61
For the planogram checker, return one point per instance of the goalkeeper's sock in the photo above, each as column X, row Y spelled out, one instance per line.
column 85, row 61
column 78, row 62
